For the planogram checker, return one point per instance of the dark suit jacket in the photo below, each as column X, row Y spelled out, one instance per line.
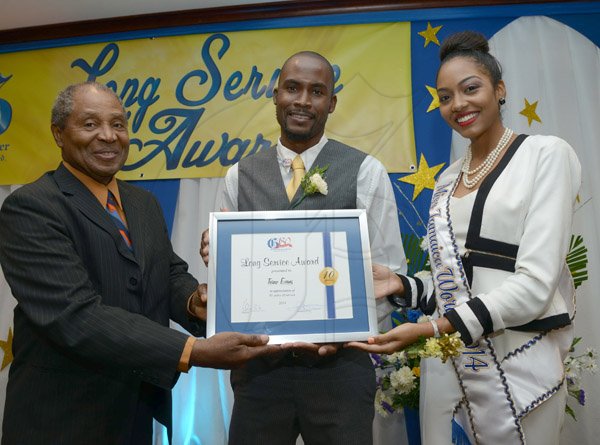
column 91, row 324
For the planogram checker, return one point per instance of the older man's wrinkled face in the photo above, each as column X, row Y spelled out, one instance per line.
column 303, row 99
column 95, row 139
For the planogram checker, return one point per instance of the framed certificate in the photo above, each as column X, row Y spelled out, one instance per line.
column 294, row 275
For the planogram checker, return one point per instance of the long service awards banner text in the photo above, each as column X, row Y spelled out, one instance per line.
column 199, row 103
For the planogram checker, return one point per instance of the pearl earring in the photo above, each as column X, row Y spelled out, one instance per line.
column 502, row 101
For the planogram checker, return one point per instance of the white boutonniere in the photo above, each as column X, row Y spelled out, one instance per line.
column 312, row 182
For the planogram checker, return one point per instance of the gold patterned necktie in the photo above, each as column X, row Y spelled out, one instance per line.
column 298, row 173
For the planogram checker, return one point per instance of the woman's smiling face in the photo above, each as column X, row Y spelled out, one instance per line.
column 468, row 99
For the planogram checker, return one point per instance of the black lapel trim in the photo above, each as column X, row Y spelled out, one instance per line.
column 474, row 239
column 492, row 262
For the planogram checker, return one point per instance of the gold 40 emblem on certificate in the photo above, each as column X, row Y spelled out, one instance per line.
column 328, row 276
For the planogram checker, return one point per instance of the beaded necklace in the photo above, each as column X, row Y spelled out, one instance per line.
column 484, row 168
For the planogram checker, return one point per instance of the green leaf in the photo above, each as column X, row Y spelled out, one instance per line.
column 574, row 343
column 577, row 260
column 570, row 412
column 416, row 258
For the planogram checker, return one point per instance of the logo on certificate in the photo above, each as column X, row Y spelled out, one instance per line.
column 280, row 243
column 328, row 276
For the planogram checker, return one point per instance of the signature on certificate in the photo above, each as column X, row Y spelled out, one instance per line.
column 248, row 307
column 309, row 307
column 282, row 280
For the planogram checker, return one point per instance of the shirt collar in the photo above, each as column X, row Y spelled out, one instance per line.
column 285, row 155
column 99, row 190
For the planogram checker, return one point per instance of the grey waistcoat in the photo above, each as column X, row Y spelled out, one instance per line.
column 260, row 185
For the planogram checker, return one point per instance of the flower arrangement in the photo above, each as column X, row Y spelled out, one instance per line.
column 575, row 365
column 312, row 182
column 398, row 374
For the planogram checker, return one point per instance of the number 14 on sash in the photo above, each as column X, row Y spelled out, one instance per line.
column 474, row 358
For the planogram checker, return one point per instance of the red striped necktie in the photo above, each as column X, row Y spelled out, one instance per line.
column 111, row 208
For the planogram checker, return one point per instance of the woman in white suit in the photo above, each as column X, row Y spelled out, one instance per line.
column 498, row 234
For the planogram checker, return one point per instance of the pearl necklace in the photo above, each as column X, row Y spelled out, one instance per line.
column 484, row 168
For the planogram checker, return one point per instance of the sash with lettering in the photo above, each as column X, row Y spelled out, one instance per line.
column 497, row 391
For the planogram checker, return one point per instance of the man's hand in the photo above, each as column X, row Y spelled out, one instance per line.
column 386, row 282
column 204, row 247
column 204, row 242
column 229, row 350
column 322, row 349
column 198, row 302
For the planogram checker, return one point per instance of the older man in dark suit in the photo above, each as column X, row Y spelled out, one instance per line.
column 90, row 263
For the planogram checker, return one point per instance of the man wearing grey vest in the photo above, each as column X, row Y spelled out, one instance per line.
column 321, row 392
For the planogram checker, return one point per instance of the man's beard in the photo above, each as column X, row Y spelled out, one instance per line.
column 299, row 137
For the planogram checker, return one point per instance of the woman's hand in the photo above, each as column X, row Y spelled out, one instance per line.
column 386, row 282
column 395, row 340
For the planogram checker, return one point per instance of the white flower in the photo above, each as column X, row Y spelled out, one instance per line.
column 573, row 384
column 423, row 318
column 575, row 365
column 432, row 348
column 403, row 380
column 382, row 399
column 424, row 244
column 312, row 182
column 318, row 181
column 591, row 352
column 423, row 275
column 397, row 357
column 590, row 365
column 573, row 378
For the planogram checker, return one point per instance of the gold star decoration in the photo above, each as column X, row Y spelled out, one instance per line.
column 423, row 178
column 6, row 346
column 435, row 99
column 430, row 35
column 530, row 113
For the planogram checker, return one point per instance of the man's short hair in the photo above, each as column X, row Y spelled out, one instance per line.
column 315, row 55
column 63, row 104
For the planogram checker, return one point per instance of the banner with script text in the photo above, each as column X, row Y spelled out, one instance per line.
column 199, row 103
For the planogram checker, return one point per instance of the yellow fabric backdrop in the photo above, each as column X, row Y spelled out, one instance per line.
column 198, row 103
